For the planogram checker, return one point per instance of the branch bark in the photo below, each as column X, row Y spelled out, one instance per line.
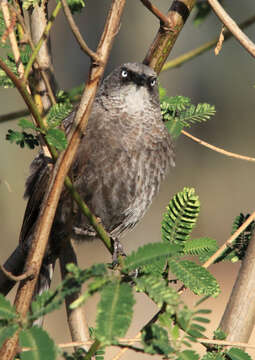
column 166, row 37
column 239, row 316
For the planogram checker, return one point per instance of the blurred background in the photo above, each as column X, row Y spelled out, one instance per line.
column 225, row 186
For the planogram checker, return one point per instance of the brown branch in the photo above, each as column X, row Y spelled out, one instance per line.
column 233, row 27
column 12, row 37
column 53, row 192
column 27, row 36
column 77, row 33
column 217, row 149
column 162, row 17
column 76, row 317
column 16, row 278
column 165, row 38
column 239, row 316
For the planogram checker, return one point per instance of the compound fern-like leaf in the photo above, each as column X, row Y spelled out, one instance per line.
column 181, row 216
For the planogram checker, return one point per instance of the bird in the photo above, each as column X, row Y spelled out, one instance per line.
column 122, row 159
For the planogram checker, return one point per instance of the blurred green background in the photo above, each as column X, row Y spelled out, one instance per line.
column 225, row 186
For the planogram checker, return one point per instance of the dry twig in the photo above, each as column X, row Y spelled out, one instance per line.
column 93, row 55
column 233, row 27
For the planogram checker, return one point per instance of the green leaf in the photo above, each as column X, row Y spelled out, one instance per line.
column 200, row 245
column 155, row 340
column 157, row 290
column 188, row 355
column 195, row 277
column 174, row 128
column 57, row 138
column 22, row 139
column 7, row 311
column 214, row 356
column 93, row 287
column 5, row 81
column 238, row 354
column 148, row 254
column 203, row 9
column 199, row 113
column 75, row 5
column 3, row 44
column 219, row 334
column 57, row 113
column 181, row 216
column 6, row 331
column 26, row 124
column 42, row 346
column 114, row 312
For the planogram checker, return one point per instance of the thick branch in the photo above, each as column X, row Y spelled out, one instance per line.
column 233, row 27
column 165, row 38
column 239, row 316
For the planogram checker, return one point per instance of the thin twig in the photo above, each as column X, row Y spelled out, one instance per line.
column 217, row 149
column 180, row 60
column 30, row 41
column 16, row 278
column 233, row 27
column 162, row 17
column 93, row 55
column 228, row 243
column 12, row 37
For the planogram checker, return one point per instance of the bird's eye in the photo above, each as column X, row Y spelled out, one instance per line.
column 152, row 82
column 124, row 73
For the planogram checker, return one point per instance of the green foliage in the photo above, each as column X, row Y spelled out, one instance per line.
column 214, row 356
column 57, row 113
column 55, row 136
column 180, row 217
column 178, row 112
column 7, row 311
column 114, row 312
column 22, row 139
column 195, row 277
column 218, row 334
column 76, row 5
column 238, row 354
column 5, row 81
column 3, row 44
column 203, row 9
column 26, row 4
column 78, row 354
column 155, row 340
column 158, row 290
column 42, row 346
column 188, row 355
column 148, row 254
column 175, row 328
column 200, row 246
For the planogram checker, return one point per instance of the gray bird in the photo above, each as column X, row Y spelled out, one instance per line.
column 121, row 161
